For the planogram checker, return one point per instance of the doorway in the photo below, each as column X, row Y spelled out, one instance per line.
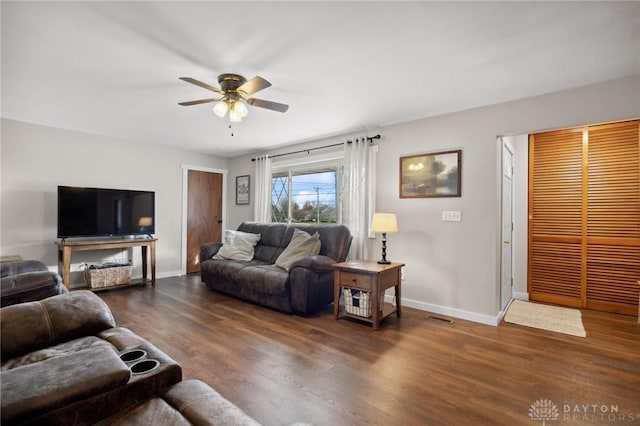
column 203, row 212
column 506, row 258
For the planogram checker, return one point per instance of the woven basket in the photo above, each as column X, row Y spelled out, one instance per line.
column 357, row 302
column 107, row 277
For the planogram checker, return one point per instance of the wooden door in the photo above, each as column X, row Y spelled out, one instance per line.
column 584, row 213
column 613, row 219
column 555, row 217
column 204, row 214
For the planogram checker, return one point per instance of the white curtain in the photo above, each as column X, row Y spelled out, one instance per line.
column 262, row 207
column 359, row 193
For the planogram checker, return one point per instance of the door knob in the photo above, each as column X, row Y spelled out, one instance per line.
column 506, row 241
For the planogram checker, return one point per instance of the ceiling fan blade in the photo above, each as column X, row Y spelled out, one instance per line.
column 261, row 103
column 254, row 85
column 200, row 101
column 201, row 84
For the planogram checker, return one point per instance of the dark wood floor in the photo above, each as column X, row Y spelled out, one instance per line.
column 282, row 369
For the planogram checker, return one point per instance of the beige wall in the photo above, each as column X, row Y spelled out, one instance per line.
column 452, row 268
column 36, row 159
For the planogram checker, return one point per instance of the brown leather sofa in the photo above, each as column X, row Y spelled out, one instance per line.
column 26, row 281
column 61, row 363
column 306, row 288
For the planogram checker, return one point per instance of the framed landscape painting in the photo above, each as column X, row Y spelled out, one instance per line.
column 242, row 189
column 431, row 175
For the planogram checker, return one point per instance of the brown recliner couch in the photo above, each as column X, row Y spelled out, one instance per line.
column 65, row 363
column 61, row 363
column 306, row 288
column 26, row 281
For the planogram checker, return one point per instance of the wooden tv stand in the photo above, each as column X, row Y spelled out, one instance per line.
column 65, row 248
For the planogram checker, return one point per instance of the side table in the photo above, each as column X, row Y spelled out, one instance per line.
column 370, row 276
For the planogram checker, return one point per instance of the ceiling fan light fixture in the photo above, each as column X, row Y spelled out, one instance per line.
column 235, row 90
column 220, row 108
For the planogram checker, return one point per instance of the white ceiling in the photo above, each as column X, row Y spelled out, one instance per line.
column 112, row 68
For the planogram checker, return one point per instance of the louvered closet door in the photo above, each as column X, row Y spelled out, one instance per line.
column 584, row 217
column 555, row 220
column 613, row 218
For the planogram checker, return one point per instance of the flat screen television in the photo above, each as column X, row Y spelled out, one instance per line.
column 100, row 212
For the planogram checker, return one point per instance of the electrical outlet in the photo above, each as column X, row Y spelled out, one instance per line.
column 401, row 274
column 451, row 215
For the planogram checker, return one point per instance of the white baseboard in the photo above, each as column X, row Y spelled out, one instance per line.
column 159, row 275
column 501, row 314
column 451, row 312
column 521, row 296
column 168, row 274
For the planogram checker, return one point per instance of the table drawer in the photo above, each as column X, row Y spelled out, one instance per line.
column 349, row 279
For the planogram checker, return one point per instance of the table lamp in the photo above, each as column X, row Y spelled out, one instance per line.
column 383, row 223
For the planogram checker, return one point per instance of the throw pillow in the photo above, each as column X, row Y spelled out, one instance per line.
column 301, row 244
column 237, row 245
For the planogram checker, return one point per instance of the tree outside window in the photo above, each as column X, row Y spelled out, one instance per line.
column 305, row 196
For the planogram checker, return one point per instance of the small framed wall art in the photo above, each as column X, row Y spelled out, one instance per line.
column 431, row 175
column 242, row 189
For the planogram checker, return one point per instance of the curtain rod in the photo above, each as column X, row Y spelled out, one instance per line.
column 369, row 139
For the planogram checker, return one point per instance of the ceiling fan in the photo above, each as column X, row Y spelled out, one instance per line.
column 235, row 91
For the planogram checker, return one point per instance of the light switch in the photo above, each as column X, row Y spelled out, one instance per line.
column 451, row 216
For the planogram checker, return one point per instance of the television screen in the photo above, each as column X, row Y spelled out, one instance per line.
column 97, row 212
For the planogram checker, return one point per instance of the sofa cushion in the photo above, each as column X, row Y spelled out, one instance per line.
column 155, row 411
column 273, row 239
column 202, row 405
column 62, row 349
column 263, row 279
column 228, row 269
column 237, row 245
column 42, row 386
column 336, row 239
column 301, row 244
column 32, row 326
column 186, row 403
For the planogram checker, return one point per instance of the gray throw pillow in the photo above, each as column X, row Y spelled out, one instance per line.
column 237, row 245
column 301, row 244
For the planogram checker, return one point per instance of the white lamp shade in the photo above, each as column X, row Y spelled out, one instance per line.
column 220, row 108
column 234, row 117
column 240, row 109
column 384, row 222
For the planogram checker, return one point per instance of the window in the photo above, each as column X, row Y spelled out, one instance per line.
column 307, row 193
